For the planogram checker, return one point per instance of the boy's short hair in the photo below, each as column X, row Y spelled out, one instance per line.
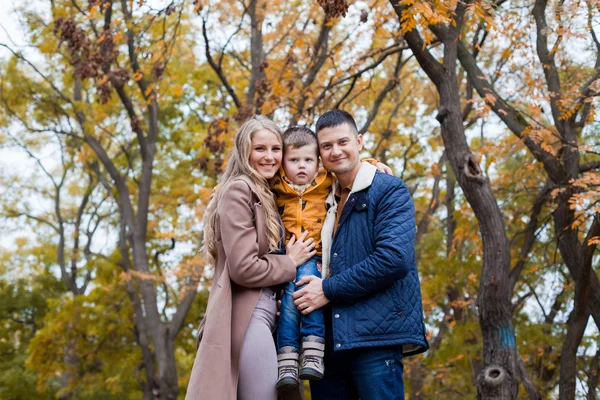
column 334, row 118
column 299, row 136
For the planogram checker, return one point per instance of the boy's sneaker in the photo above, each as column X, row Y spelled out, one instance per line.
column 287, row 368
column 311, row 359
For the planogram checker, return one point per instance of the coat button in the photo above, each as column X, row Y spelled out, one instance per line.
column 338, row 345
column 337, row 315
column 334, row 255
column 364, row 205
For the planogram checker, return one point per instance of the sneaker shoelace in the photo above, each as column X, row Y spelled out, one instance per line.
column 312, row 362
column 287, row 370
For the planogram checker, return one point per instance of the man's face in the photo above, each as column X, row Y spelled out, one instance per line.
column 339, row 147
column 301, row 163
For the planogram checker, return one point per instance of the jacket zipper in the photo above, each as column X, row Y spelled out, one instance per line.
column 299, row 214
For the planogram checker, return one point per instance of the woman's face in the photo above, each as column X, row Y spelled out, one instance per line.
column 266, row 153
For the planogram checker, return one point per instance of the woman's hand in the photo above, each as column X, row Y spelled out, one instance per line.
column 300, row 250
column 381, row 167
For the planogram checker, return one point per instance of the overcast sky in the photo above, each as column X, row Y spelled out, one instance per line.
column 8, row 23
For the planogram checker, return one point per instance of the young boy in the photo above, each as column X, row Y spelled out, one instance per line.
column 303, row 196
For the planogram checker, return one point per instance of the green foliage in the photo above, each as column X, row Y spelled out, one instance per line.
column 23, row 307
column 88, row 341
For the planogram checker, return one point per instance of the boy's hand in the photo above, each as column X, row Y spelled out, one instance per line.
column 310, row 297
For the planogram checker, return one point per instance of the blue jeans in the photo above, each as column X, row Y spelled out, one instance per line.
column 367, row 373
column 290, row 330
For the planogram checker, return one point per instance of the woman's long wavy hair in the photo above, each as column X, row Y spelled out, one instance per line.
column 238, row 165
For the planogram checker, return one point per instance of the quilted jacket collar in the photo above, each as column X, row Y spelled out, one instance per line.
column 364, row 178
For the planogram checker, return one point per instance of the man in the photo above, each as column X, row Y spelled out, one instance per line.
column 372, row 297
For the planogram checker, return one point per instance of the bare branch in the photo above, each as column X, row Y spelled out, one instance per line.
column 423, row 224
column 355, row 76
column 182, row 310
column 532, row 391
column 547, row 58
column 33, row 156
column 317, row 60
column 509, row 115
column 530, row 235
column 27, row 215
column 222, row 56
column 44, row 77
column 218, row 70
column 391, row 84
column 593, row 377
column 319, row 54
column 589, row 166
column 586, row 89
column 256, row 50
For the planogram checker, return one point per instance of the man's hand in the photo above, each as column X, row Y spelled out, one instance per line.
column 310, row 297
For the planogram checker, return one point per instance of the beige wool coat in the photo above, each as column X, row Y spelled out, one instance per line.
column 243, row 267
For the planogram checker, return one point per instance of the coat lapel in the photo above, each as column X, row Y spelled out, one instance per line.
column 357, row 199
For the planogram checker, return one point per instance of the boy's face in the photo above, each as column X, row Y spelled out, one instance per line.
column 300, row 163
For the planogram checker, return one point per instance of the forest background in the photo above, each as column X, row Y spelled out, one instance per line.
column 116, row 118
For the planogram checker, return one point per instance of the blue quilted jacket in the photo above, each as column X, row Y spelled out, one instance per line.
column 374, row 286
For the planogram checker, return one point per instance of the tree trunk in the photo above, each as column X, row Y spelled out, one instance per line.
column 499, row 376
column 498, row 379
column 562, row 171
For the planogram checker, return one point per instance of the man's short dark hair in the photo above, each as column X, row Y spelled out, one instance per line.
column 335, row 118
column 299, row 136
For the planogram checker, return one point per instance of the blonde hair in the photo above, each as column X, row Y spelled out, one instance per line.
column 239, row 165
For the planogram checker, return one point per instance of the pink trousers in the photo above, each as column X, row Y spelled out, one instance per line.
column 258, row 360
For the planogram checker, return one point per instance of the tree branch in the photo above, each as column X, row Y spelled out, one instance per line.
column 182, row 310
column 589, row 246
column 509, row 115
column 589, row 166
column 355, row 76
column 41, row 220
column 44, row 77
column 391, row 84
column 423, row 224
column 217, row 70
column 532, row 391
column 547, row 58
column 593, row 377
column 119, row 181
column 256, row 51
column 433, row 69
column 315, row 64
column 530, row 236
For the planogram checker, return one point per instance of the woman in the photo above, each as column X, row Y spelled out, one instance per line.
column 236, row 355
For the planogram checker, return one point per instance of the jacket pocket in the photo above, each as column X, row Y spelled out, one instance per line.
column 200, row 332
column 397, row 296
